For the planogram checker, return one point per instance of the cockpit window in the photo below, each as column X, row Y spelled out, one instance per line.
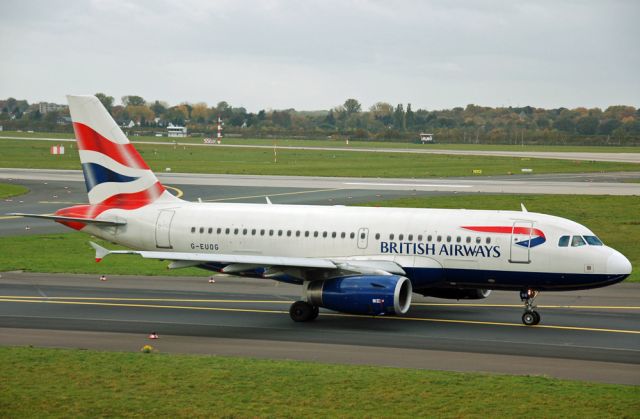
column 593, row 240
column 564, row 241
column 577, row 241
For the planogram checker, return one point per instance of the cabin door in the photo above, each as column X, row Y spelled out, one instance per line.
column 363, row 238
column 521, row 242
column 163, row 229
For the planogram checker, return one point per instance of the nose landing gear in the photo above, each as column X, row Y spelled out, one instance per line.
column 530, row 317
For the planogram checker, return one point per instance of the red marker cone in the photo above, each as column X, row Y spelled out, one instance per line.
column 211, row 280
column 153, row 335
column 103, row 277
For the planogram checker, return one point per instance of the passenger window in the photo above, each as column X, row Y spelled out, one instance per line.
column 458, row 239
column 219, row 230
column 468, row 239
column 377, row 236
column 244, row 232
column 235, row 231
column 488, row 241
column 352, row 235
column 343, row 235
column 448, row 239
column 410, row 237
column 315, row 234
column 564, row 241
column 429, row 238
column 333, row 235
column 362, row 236
column 419, row 237
column 577, row 241
column 306, row 233
column 201, row 230
column 324, row 234
column 253, row 232
column 391, row 236
column 271, row 232
column 297, row 233
column 279, row 232
column 262, row 232
column 193, row 229
column 400, row 237
column 227, row 231
column 439, row 239
column 478, row 240
column 288, row 233
column 593, row 241
column 210, row 231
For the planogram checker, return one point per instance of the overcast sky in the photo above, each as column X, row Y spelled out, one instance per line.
column 315, row 54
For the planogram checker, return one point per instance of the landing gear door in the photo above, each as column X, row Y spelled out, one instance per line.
column 521, row 233
column 363, row 238
column 163, row 229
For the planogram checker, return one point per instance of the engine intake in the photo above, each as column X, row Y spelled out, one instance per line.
column 365, row 294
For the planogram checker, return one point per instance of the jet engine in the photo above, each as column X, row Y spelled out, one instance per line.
column 456, row 293
column 364, row 294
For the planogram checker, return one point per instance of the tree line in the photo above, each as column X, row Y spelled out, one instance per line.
column 615, row 125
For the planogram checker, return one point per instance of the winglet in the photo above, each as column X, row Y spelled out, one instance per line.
column 101, row 252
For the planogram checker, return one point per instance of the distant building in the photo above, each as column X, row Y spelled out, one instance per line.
column 176, row 131
column 45, row 107
column 426, row 138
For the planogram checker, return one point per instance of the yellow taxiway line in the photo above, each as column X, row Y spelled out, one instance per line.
column 182, row 300
column 44, row 300
column 270, row 195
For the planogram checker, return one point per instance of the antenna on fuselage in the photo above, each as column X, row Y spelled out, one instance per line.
column 523, row 207
column 268, row 200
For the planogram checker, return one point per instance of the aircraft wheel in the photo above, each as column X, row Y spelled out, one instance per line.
column 301, row 311
column 537, row 316
column 316, row 311
column 529, row 318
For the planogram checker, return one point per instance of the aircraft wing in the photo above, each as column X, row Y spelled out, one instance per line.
column 241, row 263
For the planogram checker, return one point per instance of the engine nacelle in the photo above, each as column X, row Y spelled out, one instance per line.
column 456, row 293
column 365, row 294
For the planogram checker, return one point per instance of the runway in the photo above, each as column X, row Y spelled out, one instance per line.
column 557, row 155
column 587, row 335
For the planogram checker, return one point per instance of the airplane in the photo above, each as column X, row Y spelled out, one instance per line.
column 355, row 260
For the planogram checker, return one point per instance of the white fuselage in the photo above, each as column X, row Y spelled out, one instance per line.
column 433, row 245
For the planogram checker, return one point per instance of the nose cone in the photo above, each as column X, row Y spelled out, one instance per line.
column 617, row 264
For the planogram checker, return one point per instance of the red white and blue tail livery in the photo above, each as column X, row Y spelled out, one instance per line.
column 349, row 259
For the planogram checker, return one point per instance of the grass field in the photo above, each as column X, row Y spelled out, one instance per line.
column 7, row 191
column 75, row 383
column 35, row 154
column 355, row 144
column 614, row 219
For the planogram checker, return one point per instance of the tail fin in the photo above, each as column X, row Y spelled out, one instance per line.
column 115, row 174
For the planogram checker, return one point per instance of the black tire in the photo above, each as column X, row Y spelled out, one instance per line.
column 316, row 312
column 529, row 318
column 301, row 311
column 537, row 317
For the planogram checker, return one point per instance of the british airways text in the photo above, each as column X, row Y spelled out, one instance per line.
column 433, row 249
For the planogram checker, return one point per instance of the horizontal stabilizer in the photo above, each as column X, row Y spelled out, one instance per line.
column 71, row 219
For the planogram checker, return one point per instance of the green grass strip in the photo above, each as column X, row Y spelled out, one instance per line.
column 8, row 191
column 255, row 161
column 75, row 383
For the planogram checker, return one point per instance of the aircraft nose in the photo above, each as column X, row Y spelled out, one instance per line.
column 617, row 264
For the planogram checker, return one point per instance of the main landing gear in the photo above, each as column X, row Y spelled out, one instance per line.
column 530, row 317
column 301, row 311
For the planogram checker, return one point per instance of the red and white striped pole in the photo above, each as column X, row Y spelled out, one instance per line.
column 219, row 136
